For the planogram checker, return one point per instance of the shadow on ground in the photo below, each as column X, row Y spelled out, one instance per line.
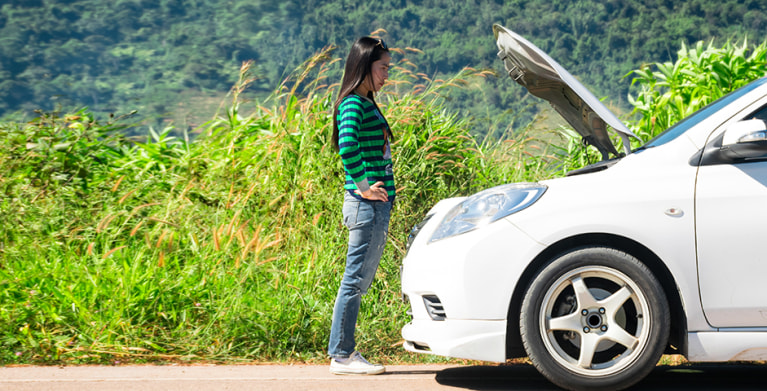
column 726, row 376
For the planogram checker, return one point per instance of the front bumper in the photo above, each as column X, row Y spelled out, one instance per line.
column 471, row 277
column 483, row 340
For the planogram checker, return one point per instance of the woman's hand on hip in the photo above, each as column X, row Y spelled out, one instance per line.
column 376, row 192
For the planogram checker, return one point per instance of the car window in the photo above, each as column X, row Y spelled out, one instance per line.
column 760, row 114
column 695, row 118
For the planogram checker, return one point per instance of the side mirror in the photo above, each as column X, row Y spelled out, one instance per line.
column 745, row 140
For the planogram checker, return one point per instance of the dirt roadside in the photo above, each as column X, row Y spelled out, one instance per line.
column 215, row 377
column 303, row 377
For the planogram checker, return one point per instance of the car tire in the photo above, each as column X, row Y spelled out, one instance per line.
column 594, row 319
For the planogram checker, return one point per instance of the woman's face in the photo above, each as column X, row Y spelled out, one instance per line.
column 379, row 73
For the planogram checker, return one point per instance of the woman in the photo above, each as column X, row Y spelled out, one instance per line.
column 362, row 137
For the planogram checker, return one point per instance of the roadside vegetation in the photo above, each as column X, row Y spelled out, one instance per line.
column 228, row 246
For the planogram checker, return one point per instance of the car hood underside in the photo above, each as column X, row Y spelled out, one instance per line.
column 545, row 78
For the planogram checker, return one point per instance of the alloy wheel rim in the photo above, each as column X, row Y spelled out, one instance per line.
column 593, row 321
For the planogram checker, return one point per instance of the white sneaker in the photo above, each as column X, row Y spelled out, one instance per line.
column 355, row 365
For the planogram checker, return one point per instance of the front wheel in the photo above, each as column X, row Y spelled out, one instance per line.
column 595, row 319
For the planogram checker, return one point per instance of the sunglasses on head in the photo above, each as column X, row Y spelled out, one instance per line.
column 382, row 44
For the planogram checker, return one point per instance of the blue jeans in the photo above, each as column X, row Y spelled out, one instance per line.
column 368, row 223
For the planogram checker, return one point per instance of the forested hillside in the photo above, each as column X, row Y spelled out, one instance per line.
column 174, row 60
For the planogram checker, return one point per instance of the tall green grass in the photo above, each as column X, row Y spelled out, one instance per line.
column 226, row 246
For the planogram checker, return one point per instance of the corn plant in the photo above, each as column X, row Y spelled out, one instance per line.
column 699, row 76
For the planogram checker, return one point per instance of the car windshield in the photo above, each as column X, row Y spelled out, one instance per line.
column 692, row 120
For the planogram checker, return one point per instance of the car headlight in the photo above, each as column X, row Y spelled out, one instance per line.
column 487, row 206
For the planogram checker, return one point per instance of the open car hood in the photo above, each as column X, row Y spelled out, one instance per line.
column 545, row 78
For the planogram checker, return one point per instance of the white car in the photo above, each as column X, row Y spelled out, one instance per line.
column 595, row 275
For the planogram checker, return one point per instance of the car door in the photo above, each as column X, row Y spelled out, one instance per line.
column 731, row 230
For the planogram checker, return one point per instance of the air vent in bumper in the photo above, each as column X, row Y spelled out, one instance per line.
column 434, row 307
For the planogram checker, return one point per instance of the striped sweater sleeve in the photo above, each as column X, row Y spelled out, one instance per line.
column 350, row 114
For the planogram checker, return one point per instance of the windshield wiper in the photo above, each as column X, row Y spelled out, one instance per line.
column 642, row 148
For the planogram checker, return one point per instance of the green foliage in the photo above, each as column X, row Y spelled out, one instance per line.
column 698, row 77
column 174, row 60
column 69, row 152
column 226, row 247
column 229, row 246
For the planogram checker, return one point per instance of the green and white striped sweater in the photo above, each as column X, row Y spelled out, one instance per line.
column 363, row 146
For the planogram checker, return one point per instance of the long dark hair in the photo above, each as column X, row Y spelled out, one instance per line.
column 364, row 52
